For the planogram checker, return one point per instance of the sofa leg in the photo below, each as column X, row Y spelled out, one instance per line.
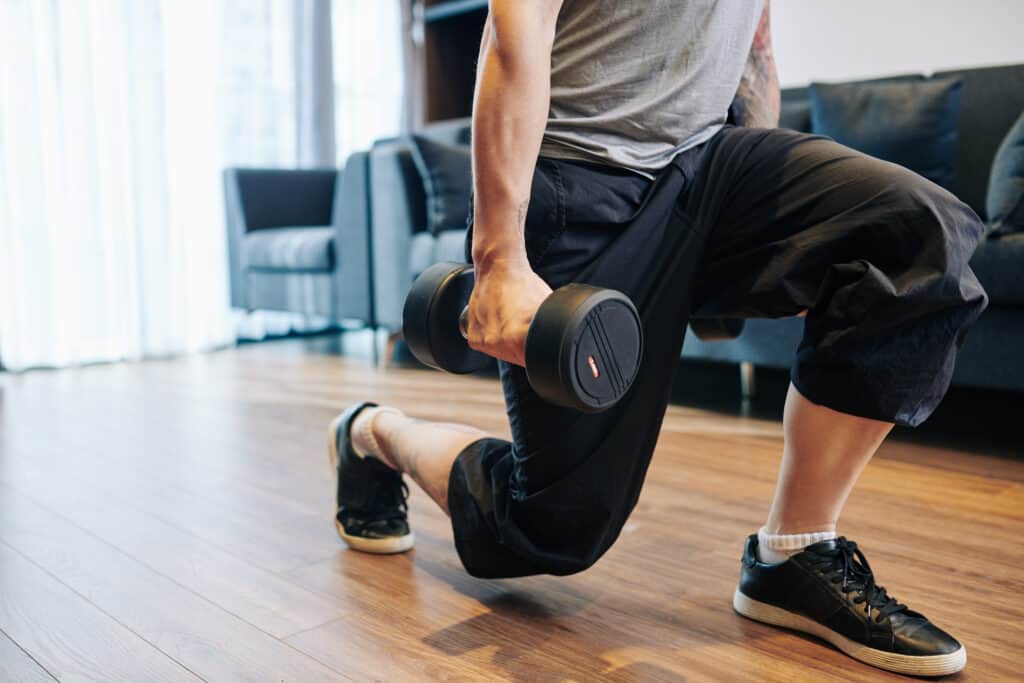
column 389, row 348
column 374, row 346
column 748, row 387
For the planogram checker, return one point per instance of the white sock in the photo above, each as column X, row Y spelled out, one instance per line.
column 773, row 548
column 366, row 435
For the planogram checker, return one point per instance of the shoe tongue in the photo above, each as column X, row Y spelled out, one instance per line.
column 828, row 547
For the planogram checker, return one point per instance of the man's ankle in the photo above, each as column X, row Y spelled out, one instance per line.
column 365, row 433
column 778, row 546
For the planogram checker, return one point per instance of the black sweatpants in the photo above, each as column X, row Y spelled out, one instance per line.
column 754, row 223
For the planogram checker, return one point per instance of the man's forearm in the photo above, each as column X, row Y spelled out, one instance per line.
column 758, row 95
column 510, row 111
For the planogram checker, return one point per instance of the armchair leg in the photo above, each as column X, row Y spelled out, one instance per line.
column 748, row 387
column 389, row 348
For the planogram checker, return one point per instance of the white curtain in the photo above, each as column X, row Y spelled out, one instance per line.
column 116, row 119
column 111, row 235
column 276, row 83
column 367, row 72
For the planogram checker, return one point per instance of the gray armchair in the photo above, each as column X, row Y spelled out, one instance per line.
column 298, row 240
column 402, row 247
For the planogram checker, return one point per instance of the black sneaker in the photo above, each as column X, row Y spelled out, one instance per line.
column 829, row 591
column 371, row 509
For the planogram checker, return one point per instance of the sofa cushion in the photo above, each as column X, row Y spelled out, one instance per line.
column 795, row 114
column 912, row 123
column 991, row 99
column 1005, row 200
column 999, row 265
column 301, row 248
column 446, row 171
column 427, row 249
column 278, row 197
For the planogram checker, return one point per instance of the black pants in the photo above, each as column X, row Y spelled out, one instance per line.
column 754, row 223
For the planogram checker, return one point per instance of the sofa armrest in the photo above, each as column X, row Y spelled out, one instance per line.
column 351, row 220
column 397, row 212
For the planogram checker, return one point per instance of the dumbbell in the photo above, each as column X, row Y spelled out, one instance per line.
column 583, row 347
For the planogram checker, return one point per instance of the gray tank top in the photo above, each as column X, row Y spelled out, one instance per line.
column 635, row 82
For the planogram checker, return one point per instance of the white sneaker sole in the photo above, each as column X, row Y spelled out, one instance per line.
column 930, row 665
column 377, row 546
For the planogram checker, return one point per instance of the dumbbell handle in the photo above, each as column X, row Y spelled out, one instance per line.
column 464, row 323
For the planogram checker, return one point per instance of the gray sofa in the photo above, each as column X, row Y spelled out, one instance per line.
column 298, row 240
column 991, row 100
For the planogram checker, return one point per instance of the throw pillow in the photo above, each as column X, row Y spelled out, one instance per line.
column 447, row 175
column 795, row 115
column 1004, row 203
column 909, row 122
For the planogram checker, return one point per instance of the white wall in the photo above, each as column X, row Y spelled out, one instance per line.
column 830, row 40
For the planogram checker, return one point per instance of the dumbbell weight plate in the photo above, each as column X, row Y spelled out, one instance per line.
column 430, row 319
column 584, row 347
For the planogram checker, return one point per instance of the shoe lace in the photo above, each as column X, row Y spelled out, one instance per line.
column 847, row 565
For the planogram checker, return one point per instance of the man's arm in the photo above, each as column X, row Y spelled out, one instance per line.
column 510, row 110
column 758, row 94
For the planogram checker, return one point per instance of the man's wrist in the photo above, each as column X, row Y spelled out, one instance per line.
column 489, row 256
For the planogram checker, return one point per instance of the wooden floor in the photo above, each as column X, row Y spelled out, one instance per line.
column 172, row 521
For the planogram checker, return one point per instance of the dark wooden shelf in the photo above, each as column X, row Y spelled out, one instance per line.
column 452, row 8
column 451, row 42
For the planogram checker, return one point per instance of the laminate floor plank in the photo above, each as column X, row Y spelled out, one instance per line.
column 225, row 513
column 68, row 637
column 16, row 666
column 216, row 645
column 190, row 500
column 262, row 598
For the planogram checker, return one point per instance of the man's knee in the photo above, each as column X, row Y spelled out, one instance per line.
column 540, row 538
column 573, row 535
column 918, row 233
column 520, row 553
column 942, row 237
column 935, row 215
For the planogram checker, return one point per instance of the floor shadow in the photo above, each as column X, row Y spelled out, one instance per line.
column 513, row 597
column 536, row 642
column 549, row 628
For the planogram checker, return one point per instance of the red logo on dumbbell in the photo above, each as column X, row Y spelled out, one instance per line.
column 593, row 367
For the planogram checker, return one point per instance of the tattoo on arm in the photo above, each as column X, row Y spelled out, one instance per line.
column 758, row 93
column 521, row 215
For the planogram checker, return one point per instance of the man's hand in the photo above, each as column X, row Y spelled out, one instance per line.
column 505, row 298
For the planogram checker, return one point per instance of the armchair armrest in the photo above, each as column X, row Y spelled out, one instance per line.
column 235, row 222
column 397, row 212
column 352, row 276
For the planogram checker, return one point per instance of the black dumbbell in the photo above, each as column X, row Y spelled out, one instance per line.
column 583, row 348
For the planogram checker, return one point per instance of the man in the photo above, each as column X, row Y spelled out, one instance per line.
column 601, row 154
